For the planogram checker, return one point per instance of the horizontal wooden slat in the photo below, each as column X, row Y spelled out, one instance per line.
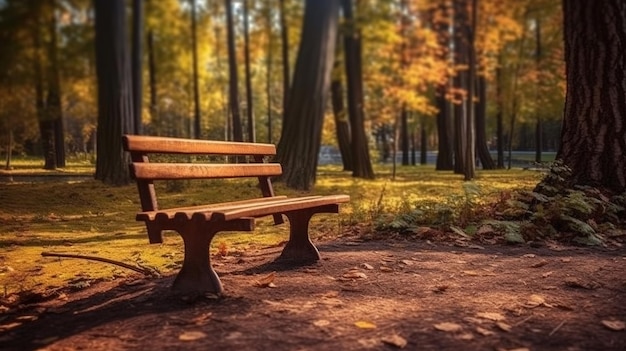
column 190, row 210
column 152, row 144
column 261, row 209
column 163, row 171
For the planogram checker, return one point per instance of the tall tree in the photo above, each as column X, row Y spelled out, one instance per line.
column 194, row 60
column 342, row 125
column 246, row 53
column 593, row 139
column 137, row 69
column 54, row 110
column 114, row 91
column 284, row 32
column 359, row 151
column 300, row 139
column 444, row 116
column 233, row 82
column 539, row 125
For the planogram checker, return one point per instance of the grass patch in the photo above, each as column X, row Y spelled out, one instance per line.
column 86, row 217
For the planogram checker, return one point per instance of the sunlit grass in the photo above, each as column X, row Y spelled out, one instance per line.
column 89, row 218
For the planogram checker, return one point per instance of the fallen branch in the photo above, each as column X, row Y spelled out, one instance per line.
column 557, row 328
column 144, row 270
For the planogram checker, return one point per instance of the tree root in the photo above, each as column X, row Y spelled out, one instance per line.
column 148, row 271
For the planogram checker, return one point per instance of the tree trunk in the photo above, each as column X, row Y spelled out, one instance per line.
column 444, row 116
column 154, row 111
column 137, row 67
column 499, row 118
column 54, row 111
column 593, row 138
column 404, row 135
column 194, row 64
column 423, row 142
column 269, row 71
column 114, row 91
column 361, row 164
column 299, row 144
column 342, row 127
column 233, row 94
column 246, row 52
column 538, row 127
column 284, row 32
column 469, row 170
column 481, row 116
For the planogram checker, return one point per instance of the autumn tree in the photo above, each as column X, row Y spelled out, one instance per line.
column 300, row 139
column 593, row 140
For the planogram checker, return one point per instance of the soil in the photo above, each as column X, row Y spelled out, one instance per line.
column 363, row 295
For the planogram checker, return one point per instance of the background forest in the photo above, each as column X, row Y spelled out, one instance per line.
column 414, row 55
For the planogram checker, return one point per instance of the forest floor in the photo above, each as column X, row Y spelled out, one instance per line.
column 364, row 295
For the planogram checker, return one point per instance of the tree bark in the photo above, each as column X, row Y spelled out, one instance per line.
column 246, row 46
column 444, row 116
column 154, row 109
column 284, row 32
column 299, row 144
column 593, row 138
column 233, row 94
column 499, row 118
column 137, row 67
column 482, row 149
column 114, row 92
column 342, row 126
column 361, row 163
column 194, row 64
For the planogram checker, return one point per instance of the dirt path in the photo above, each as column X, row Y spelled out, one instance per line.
column 374, row 295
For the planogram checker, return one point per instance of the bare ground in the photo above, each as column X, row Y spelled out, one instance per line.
column 363, row 295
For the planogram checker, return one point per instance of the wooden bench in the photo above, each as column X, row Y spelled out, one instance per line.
column 197, row 225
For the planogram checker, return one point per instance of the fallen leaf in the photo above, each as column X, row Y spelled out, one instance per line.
column 614, row 325
column 395, row 340
column 10, row 326
column 566, row 259
column 406, row 262
column 505, row 327
column 535, row 301
column 367, row 266
column 266, row 282
column 365, row 325
column 483, row 331
column 472, row 273
column 201, row 319
column 386, row 269
column 494, row 316
column 191, row 336
column 547, row 274
column 476, row 247
column 354, row 275
column 529, row 256
column 321, row 323
column 466, row 336
column 539, row 264
column 440, row 288
column 448, row 327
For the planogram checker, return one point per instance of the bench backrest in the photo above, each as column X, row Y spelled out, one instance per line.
column 146, row 172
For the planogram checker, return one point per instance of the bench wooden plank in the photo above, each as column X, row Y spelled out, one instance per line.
column 258, row 210
column 151, row 144
column 165, row 171
column 149, row 215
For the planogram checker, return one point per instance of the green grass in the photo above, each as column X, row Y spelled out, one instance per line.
column 90, row 218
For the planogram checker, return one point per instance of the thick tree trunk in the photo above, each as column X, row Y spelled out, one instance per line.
column 361, row 163
column 444, row 116
column 270, row 58
column 54, row 111
column 137, row 67
column 299, row 144
column 233, row 94
column 593, row 138
column 114, row 91
column 539, row 125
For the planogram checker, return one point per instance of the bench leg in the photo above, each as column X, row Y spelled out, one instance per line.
column 197, row 277
column 299, row 248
